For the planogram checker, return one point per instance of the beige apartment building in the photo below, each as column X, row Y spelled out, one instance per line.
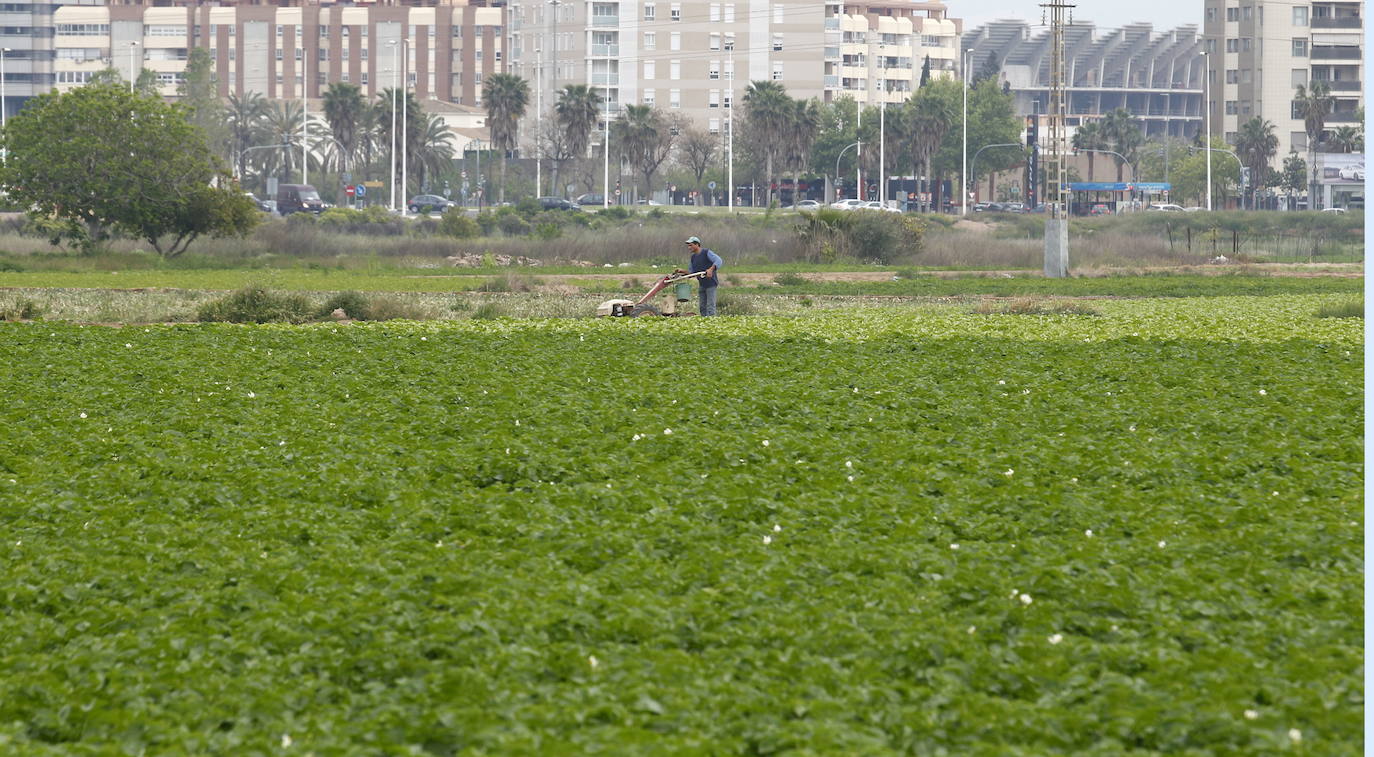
column 1261, row 51
column 696, row 57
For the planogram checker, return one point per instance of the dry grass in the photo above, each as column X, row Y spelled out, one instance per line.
column 1034, row 306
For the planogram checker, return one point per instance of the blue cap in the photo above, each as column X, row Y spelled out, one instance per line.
column 693, row 240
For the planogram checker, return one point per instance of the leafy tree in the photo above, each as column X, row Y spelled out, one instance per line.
column 127, row 162
column 837, row 132
column 197, row 92
column 281, row 125
column 990, row 69
column 1121, row 130
column 577, row 111
column 435, row 148
column 1294, row 175
column 800, row 135
column 1346, row 139
column 646, row 138
column 1256, row 145
column 1189, row 174
column 930, row 113
column 697, row 150
column 1090, row 139
column 991, row 120
column 506, row 96
column 925, row 72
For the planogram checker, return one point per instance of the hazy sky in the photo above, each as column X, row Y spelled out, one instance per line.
column 1164, row 14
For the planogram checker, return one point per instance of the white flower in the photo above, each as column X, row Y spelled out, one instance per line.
column 1132, row 427
column 1162, row 544
column 636, row 438
column 517, row 423
column 130, row 346
column 281, row 443
column 765, row 442
column 667, row 432
column 1009, row 472
column 1055, row 639
column 767, row 540
column 439, row 543
column 954, row 546
column 1273, row 494
column 83, row 415
column 1001, row 382
column 1294, row 735
column 1088, row 533
column 851, row 478
column 972, row 630
column 1251, row 714
column 424, row 339
column 1025, row 599
column 251, row 395
column 285, row 740
column 777, row 529
column 1263, row 393
column 591, row 660
column 507, row 450
column 847, row 463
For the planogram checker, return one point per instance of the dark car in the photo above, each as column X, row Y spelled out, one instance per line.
column 558, row 203
column 591, row 198
column 429, row 204
column 298, row 198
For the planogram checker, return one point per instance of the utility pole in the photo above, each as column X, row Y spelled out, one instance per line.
column 1056, row 169
column 730, row 127
column 882, row 124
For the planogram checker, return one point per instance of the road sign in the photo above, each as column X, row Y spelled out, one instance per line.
column 361, row 190
column 465, row 174
column 348, row 190
column 710, row 185
column 672, row 187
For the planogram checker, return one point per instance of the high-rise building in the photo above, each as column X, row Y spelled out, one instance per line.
column 26, row 35
column 1261, row 51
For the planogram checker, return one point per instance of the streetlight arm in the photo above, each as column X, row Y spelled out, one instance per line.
column 973, row 164
column 841, row 155
column 1134, row 176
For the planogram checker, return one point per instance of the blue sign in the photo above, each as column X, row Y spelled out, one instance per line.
column 360, row 191
column 711, row 185
column 1099, row 186
column 1152, row 186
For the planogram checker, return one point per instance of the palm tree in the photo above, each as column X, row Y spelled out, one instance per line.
column 929, row 118
column 244, row 116
column 435, row 148
column 1313, row 105
column 802, row 129
column 644, row 137
column 343, row 109
column 767, row 110
column 1256, row 145
column 577, row 111
column 1088, row 137
column 1347, row 139
column 506, row 97
column 1121, row 130
column 281, row 126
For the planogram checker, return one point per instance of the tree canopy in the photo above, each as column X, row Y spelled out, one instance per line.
column 100, row 158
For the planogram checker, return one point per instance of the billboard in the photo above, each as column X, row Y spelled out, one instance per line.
column 1340, row 168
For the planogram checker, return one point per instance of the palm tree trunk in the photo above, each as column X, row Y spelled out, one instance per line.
column 768, row 180
column 503, row 176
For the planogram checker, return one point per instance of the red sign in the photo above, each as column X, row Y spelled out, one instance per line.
column 349, row 190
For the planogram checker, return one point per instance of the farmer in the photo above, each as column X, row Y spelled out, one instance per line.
column 708, row 261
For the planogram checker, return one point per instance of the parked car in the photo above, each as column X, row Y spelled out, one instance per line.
column 1193, row 209
column 650, row 202
column 1333, row 210
column 591, row 198
column 1100, row 209
column 847, row 204
column 875, row 205
column 260, row 204
column 298, row 198
column 1167, row 207
column 981, row 207
column 558, row 203
column 1015, row 207
column 807, row 205
column 429, row 204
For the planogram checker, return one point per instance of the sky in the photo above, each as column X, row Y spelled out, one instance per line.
column 1164, row 14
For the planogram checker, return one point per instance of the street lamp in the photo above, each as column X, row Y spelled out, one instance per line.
column 837, row 164
column 405, row 130
column 4, row 104
column 606, row 144
column 132, row 75
column 882, row 123
column 305, row 115
column 965, row 188
column 963, row 185
column 730, row 128
column 1207, row 103
column 395, row 67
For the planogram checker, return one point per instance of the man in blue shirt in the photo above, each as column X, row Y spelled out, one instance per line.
column 705, row 260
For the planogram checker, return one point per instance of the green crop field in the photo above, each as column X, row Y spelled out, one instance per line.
column 903, row 530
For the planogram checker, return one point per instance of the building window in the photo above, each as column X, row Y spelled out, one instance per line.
column 650, row 40
column 674, row 69
column 324, row 32
column 1230, row 137
column 649, row 11
column 726, row 100
column 713, row 99
column 1232, row 14
column 713, row 125
column 1299, row 78
column 457, row 32
column 1246, row 76
column 1231, row 76
column 1300, row 47
column 777, row 42
column 675, row 13
column 1298, row 139
column 83, row 30
column 1245, row 108
column 675, row 98
column 345, row 76
column 363, row 53
column 1300, row 16
column 730, row 70
column 1211, row 15
column 324, row 55
column 1211, row 46
column 280, row 53
column 729, row 13
column 364, row 79
column 1247, row 13
column 1245, row 45
column 280, row 28
column 777, row 71
column 715, row 13
column 777, row 14
column 648, row 97
column 714, row 41
column 165, row 30
column 1230, row 107
column 713, row 70
column 675, row 41
column 1232, row 45
column 649, row 70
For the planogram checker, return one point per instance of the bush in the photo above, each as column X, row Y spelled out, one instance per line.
column 547, row 231
column 456, row 224
column 884, row 237
column 355, row 305
column 1035, row 306
column 486, row 221
column 509, row 282
column 729, row 303
column 528, row 207
column 1352, row 309
column 789, row 279
column 513, row 225
column 487, row 311
column 23, row 310
column 255, row 304
column 396, row 309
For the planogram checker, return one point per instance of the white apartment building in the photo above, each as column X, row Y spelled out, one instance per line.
column 695, row 57
column 1260, row 51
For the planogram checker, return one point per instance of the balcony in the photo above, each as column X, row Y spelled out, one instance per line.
column 605, row 20
column 832, row 24
column 832, row 53
column 1337, row 52
column 832, row 82
column 1346, row 85
column 605, row 51
column 600, row 78
column 1340, row 22
column 1343, row 117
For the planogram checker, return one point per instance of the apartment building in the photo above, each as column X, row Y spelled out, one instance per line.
column 288, row 49
column 1157, row 76
column 1261, row 51
column 695, row 57
column 26, row 34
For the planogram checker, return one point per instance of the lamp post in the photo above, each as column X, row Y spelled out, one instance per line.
column 305, row 110
column 606, row 145
column 1207, row 103
column 837, row 161
column 882, row 124
column 391, row 177
column 963, row 183
column 4, row 104
column 405, row 129
column 132, row 74
column 965, row 188
column 730, row 128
